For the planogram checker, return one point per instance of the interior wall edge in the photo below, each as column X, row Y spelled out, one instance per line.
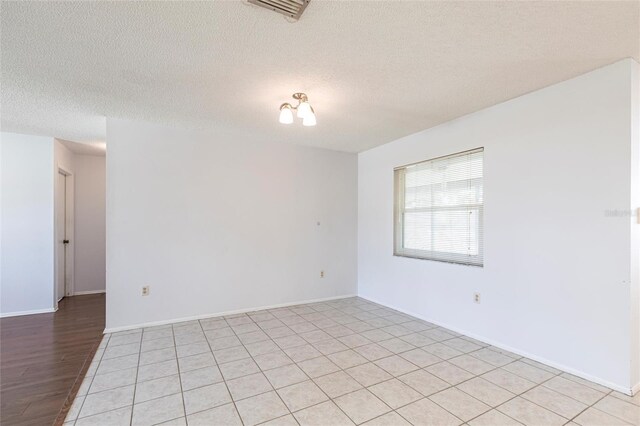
column 221, row 314
column 634, row 206
column 566, row 369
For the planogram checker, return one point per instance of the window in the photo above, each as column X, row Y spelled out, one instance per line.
column 438, row 209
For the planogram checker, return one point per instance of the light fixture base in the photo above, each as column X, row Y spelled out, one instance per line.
column 300, row 97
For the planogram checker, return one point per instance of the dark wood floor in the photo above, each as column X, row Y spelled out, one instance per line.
column 42, row 356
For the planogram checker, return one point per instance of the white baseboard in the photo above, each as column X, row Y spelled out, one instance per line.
column 635, row 389
column 220, row 314
column 598, row 380
column 32, row 312
column 82, row 293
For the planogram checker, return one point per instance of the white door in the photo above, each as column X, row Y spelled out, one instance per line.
column 61, row 236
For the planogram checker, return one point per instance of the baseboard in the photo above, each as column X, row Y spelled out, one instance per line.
column 221, row 314
column 83, row 293
column 635, row 389
column 33, row 312
column 598, row 380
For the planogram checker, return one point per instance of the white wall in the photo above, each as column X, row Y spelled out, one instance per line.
column 214, row 223
column 87, row 237
column 90, row 209
column 556, row 284
column 26, row 224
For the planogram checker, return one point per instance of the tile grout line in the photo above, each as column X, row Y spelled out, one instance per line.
column 243, row 345
column 441, row 390
column 353, row 349
column 313, row 380
column 368, row 361
column 462, row 354
column 296, row 364
column 541, row 384
column 184, row 406
column 510, row 399
column 595, row 408
column 135, row 383
column 321, row 355
column 342, row 370
column 262, row 371
column 221, row 375
column 341, row 308
column 452, row 386
column 516, row 395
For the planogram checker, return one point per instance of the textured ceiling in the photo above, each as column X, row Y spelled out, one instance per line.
column 374, row 71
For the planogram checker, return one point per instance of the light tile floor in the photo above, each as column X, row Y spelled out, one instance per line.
column 341, row 362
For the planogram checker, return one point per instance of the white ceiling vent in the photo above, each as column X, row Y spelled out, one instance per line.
column 292, row 8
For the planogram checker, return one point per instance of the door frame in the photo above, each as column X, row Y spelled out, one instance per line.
column 70, row 235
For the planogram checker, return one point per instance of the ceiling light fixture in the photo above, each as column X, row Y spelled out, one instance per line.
column 303, row 110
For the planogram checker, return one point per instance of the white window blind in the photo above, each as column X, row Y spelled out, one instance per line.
column 438, row 209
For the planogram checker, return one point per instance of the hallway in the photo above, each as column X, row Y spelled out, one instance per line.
column 44, row 356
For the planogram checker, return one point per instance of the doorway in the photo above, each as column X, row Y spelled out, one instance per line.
column 64, row 207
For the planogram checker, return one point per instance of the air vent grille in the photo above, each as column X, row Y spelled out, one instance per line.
column 291, row 8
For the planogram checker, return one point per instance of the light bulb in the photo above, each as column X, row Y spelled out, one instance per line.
column 286, row 115
column 309, row 119
column 304, row 109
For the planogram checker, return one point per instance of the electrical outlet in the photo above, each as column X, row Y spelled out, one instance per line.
column 321, row 274
column 476, row 297
column 145, row 290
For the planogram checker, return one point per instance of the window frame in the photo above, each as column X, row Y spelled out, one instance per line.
column 399, row 192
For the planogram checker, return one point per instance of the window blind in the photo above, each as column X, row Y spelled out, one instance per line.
column 439, row 209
